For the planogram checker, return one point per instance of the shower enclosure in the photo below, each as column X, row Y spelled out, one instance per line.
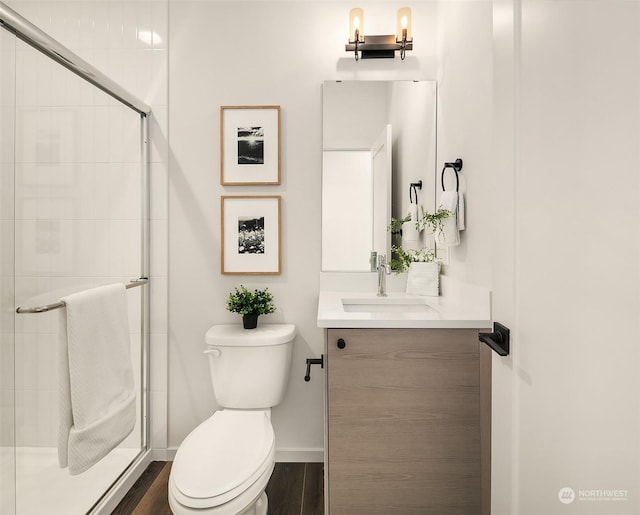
column 73, row 215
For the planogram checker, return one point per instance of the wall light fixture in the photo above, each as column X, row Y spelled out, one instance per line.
column 379, row 47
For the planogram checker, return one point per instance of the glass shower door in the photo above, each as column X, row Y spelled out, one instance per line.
column 7, row 297
column 78, row 198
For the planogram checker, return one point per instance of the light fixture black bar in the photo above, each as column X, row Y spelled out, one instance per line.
column 376, row 47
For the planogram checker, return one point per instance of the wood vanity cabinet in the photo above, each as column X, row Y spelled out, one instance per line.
column 408, row 415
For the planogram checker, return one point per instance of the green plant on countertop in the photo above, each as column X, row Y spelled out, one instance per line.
column 402, row 259
column 246, row 302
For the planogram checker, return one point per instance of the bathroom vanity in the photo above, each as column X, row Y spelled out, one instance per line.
column 407, row 402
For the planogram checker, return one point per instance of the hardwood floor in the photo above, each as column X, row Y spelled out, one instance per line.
column 149, row 493
column 294, row 489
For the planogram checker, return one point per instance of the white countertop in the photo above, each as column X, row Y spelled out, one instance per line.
column 460, row 305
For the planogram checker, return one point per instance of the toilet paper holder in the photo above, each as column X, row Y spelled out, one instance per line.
column 313, row 361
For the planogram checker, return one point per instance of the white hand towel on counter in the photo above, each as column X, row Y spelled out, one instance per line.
column 424, row 279
column 97, row 396
column 449, row 236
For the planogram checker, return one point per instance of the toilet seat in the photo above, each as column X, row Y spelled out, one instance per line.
column 222, row 457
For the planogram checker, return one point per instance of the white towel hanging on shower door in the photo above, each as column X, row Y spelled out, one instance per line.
column 97, row 396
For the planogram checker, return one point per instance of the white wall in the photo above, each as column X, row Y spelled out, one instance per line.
column 465, row 99
column 357, row 114
column 295, row 47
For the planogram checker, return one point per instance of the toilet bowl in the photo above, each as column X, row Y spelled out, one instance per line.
column 223, row 466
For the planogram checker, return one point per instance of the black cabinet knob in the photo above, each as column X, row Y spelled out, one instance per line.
column 341, row 343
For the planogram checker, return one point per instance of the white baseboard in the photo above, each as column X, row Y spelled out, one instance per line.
column 165, row 454
column 292, row 455
column 300, row 455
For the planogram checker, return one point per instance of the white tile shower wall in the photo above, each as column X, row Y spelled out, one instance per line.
column 61, row 245
column 78, row 186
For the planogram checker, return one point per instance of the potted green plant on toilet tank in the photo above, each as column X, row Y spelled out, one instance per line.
column 250, row 304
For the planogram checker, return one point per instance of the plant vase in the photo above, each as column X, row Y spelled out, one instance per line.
column 250, row 321
column 424, row 279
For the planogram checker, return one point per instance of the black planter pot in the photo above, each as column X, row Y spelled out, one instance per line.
column 250, row 321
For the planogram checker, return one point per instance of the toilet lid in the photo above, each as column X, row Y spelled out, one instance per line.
column 234, row 335
column 223, row 456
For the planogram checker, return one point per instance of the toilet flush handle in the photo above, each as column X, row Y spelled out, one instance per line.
column 214, row 352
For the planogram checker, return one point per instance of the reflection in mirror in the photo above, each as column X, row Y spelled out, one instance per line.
column 378, row 138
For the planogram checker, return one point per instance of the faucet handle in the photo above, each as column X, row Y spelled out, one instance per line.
column 383, row 266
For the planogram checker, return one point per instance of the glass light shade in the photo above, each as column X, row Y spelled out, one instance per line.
column 356, row 23
column 404, row 24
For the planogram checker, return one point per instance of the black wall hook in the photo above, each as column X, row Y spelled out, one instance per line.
column 456, row 165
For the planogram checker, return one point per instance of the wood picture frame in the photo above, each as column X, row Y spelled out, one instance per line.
column 250, row 145
column 250, row 234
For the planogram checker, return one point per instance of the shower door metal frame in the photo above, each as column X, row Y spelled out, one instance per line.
column 32, row 35
column 41, row 41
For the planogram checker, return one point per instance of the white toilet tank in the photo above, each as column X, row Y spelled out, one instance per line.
column 249, row 367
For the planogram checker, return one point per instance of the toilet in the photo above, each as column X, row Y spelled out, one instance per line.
column 223, row 466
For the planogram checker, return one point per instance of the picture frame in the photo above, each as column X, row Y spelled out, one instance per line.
column 249, row 145
column 250, row 234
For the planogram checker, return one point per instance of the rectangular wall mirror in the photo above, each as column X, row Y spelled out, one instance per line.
column 378, row 138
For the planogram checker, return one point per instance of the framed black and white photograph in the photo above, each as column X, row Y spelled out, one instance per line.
column 249, row 145
column 250, row 234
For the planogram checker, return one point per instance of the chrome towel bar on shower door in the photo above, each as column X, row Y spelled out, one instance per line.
column 61, row 304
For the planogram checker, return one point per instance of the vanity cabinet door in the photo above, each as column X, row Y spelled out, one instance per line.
column 404, row 422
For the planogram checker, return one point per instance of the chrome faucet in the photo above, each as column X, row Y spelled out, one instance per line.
column 383, row 271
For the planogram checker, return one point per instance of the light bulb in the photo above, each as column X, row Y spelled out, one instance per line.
column 404, row 24
column 356, row 24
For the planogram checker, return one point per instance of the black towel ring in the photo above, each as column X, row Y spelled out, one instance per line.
column 413, row 190
column 457, row 166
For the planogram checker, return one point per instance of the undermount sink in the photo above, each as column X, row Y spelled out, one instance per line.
column 350, row 301
column 386, row 305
